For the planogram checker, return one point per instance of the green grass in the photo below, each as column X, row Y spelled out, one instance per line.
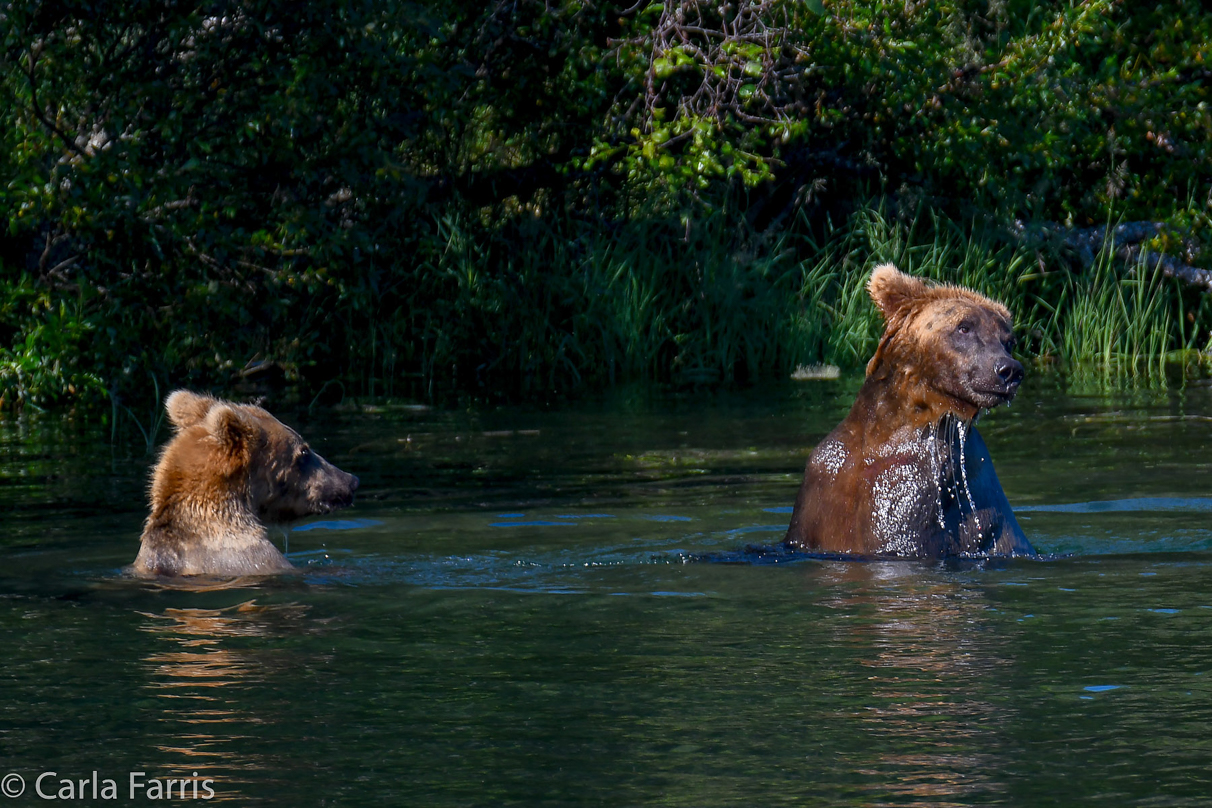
column 543, row 306
column 1114, row 320
column 709, row 301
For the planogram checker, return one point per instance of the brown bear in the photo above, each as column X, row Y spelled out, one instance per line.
column 906, row 473
column 230, row 470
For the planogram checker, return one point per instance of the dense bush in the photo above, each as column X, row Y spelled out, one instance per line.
column 529, row 196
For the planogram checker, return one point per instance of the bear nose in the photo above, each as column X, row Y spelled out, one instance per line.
column 353, row 482
column 1011, row 373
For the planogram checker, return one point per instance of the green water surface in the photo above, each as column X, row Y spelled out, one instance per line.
column 513, row 614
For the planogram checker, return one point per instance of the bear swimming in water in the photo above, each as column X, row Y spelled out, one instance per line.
column 230, row 470
column 906, row 473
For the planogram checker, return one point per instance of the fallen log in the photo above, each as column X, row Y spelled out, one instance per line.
column 1124, row 241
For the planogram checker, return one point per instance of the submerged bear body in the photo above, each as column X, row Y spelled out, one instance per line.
column 906, row 473
column 229, row 471
column 923, row 492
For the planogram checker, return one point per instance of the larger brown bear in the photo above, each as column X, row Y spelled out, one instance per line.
column 906, row 473
column 230, row 470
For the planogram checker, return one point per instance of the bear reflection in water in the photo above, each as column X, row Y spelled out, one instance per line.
column 906, row 473
column 230, row 470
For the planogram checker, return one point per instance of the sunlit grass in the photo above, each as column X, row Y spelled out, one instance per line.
column 565, row 304
column 540, row 306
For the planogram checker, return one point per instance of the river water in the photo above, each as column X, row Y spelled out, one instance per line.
column 515, row 613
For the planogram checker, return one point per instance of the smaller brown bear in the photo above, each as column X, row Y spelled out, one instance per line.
column 230, row 470
column 906, row 473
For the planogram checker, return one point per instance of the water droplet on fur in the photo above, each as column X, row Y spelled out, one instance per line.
column 963, row 464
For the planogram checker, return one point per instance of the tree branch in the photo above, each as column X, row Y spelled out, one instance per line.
column 34, row 53
column 1124, row 241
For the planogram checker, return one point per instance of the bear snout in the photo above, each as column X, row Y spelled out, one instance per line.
column 1010, row 371
column 994, row 382
column 339, row 492
column 346, row 497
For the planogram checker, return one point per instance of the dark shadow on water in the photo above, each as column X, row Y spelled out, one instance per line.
column 767, row 554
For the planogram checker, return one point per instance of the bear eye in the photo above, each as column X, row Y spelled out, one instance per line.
column 963, row 328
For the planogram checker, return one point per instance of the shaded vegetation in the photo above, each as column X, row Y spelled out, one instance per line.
column 517, row 198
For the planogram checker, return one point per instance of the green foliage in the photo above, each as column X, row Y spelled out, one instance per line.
column 47, row 359
column 680, row 301
column 659, row 300
column 1071, row 112
column 525, row 196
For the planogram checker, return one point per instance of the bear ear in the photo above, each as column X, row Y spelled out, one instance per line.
column 186, row 409
column 892, row 289
column 228, row 427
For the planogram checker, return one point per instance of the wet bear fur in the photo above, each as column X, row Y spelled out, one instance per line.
column 228, row 472
column 906, row 473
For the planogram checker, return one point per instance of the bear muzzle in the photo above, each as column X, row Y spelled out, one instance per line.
column 1000, row 386
column 1011, row 373
column 337, row 492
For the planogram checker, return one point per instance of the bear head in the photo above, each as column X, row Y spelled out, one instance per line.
column 947, row 339
column 225, row 451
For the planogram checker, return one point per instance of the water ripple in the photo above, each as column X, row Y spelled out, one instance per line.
column 1120, row 505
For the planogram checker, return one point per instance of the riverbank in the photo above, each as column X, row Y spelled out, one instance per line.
column 563, row 307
